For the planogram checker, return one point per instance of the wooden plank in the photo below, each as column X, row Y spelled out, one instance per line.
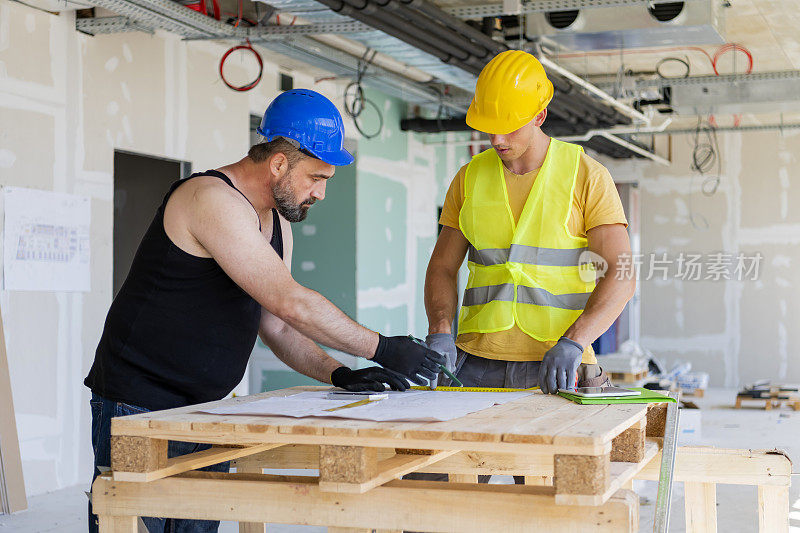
column 543, row 428
column 246, row 465
column 700, row 504
column 462, row 478
column 12, row 493
column 603, row 425
column 773, row 509
column 392, row 468
column 541, row 481
column 728, row 466
column 117, row 524
column 619, row 477
column 192, row 461
column 137, row 454
column 468, row 463
column 376, row 442
column 398, row 505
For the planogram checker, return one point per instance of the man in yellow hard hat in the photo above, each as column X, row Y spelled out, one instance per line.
column 529, row 212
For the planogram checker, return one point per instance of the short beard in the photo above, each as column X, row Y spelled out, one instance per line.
column 286, row 203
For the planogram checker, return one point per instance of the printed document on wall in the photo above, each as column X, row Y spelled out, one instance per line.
column 46, row 244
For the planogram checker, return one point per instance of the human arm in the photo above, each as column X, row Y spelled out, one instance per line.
column 441, row 280
column 608, row 299
column 612, row 292
column 223, row 223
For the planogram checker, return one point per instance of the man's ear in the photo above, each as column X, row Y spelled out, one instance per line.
column 538, row 120
column 278, row 164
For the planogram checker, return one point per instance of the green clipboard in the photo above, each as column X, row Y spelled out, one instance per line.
column 647, row 396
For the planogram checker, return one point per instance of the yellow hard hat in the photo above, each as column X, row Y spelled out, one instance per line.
column 512, row 89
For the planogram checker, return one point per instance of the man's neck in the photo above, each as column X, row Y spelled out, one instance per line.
column 533, row 157
column 251, row 179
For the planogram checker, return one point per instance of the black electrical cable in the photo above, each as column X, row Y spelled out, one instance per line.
column 705, row 159
column 684, row 62
column 355, row 102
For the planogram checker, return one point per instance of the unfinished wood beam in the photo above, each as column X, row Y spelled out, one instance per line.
column 700, row 504
column 773, row 509
column 462, row 478
column 137, row 454
column 541, row 481
column 706, row 464
column 347, row 464
column 581, row 474
column 117, row 524
column 248, row 466
column 392, row 468
column 656, row 419
column 394, row 506
column 628, row 446
column 192, row 461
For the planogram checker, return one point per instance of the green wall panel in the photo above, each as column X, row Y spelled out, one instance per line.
column 392, row 143
column 281, row 379
column 387, row 320
column 324, row 257
column 381, row 231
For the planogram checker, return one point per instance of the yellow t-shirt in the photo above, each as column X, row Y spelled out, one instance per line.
column 595, row 202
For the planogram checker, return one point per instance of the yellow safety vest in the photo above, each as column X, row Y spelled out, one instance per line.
column 524, row 273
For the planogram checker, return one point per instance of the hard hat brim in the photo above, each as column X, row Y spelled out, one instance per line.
column 337, row 159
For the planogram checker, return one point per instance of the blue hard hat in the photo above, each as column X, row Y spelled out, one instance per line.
column 309, row 119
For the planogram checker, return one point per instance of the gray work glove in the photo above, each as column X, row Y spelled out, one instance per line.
column 559, row 366
column 445, row 345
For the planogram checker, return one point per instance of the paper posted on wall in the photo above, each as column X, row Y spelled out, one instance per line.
column 46, row 242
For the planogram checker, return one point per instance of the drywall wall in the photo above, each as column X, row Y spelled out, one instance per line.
column 67, row 101
column 738, row 330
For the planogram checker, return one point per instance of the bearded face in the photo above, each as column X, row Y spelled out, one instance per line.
column 286, row 199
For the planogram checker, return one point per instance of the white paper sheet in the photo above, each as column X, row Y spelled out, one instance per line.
column 410, row 406
column 46, row 243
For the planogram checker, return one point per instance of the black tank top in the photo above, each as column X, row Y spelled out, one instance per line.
column 180, row 331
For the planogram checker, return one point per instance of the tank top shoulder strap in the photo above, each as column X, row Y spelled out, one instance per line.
column 216, row 174
column 277, row 234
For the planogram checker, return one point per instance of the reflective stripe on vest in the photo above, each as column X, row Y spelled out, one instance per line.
column 525, row 295
column 525, row 273
column 530, row 255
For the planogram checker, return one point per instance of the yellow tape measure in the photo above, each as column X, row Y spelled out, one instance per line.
column 472, row 389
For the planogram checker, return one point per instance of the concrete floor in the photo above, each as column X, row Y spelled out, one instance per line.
column 716, row 423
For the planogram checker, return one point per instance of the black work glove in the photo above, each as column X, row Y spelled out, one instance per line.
column 411, row 359
column 367, row 379
column 559, row 365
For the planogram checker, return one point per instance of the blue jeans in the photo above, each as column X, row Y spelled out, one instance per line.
column 102, row 412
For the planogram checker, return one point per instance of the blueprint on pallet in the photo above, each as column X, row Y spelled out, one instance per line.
column 408, row 406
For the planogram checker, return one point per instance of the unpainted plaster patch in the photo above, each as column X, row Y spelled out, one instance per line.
column 219, row 140
column 388, row 235
column 781, row 261
column 782, row 282
column 309, row 230
column 7, row 158
column 783, row 350
column 126, row 53
column 774, row 234
column 126, row 92
column 389, row 204
column 219, row 103
column 112, row 64
column 388, row 267
column 112, row 108
column 307, row 266
column 126, row 127
column 782, row 306
column 30, row 23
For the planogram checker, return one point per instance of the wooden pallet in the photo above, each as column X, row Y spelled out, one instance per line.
column 628, row 377
column 768, row 403
column 587, row 453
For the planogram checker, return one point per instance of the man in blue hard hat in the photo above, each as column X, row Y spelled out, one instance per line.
column 213, row 271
